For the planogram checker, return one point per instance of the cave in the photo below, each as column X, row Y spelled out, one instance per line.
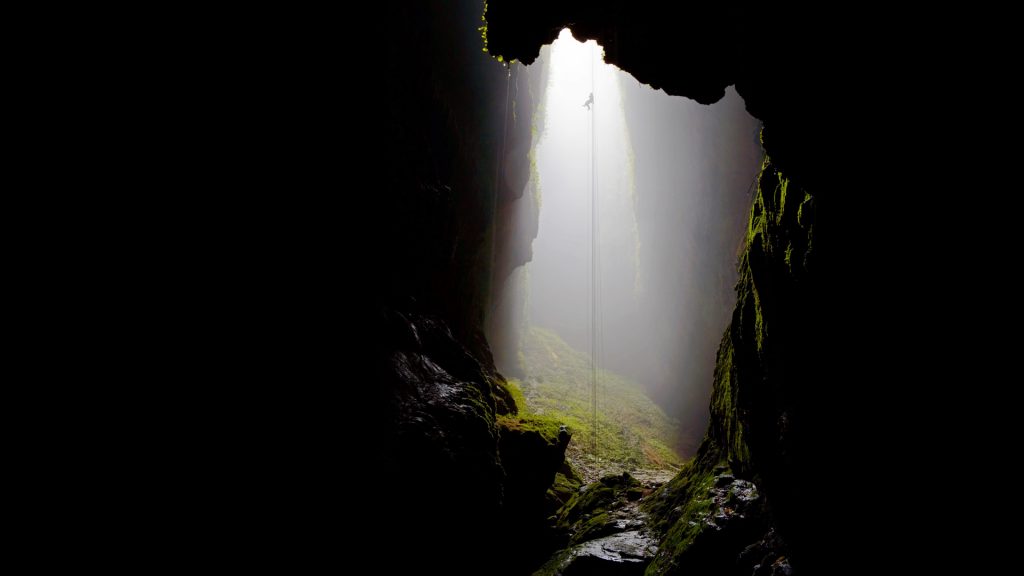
column 780, row 418
column 792, row 382
column 373, row 399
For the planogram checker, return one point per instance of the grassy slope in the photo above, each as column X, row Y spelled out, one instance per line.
column 632, row 430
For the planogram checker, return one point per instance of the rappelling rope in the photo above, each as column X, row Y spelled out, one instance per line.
column 595, row 258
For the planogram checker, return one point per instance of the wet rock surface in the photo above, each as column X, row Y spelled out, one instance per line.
column 535, row 468
column 567, row 483
column 766, row 557
column 604, row 529
column 436, row 446
column 715, row 523
column 448, row 469
column 624, row 553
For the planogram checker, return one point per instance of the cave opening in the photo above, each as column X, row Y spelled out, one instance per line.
column 634, row 211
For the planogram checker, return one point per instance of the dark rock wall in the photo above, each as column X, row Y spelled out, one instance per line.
column 446, row 133
column 450, row 468
column 458, row 136
column 453, row 490
column 518, row 218
column 435, row 466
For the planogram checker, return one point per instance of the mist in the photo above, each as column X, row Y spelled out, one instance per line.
column 642, row 199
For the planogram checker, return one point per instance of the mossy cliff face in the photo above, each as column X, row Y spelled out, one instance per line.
column 712, row 511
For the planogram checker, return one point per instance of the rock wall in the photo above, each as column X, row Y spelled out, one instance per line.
column 459, row 484
column 755, row 403
column 458, row 481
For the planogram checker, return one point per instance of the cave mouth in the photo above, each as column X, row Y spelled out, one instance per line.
column 638, row 203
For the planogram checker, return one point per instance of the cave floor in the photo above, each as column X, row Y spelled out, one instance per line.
column 592, row 469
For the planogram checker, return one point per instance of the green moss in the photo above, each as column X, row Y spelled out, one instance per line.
column 570, row 483
column 693, row 520
column 483, row 35
column 632, row 430
column 726, row 431
column 564, row 488
column 483, row 29
column 481, row 404
column 546, row 426
column 593, row 500
column 681, row 509
column 668, row 502
column 778, row 244
column 517, row 393
column 537, row 123
column 781, row 189
column 596, row 527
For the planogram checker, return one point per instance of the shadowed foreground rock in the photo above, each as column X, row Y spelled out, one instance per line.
column 453, row 461
column 625, row 554
column 606, row 531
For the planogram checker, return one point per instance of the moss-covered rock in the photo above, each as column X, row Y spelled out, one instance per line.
column 718, row 518
column 585, row 517
column 567, row 483
column 604, row 530
column 712, row 510
column 632, row 431
column 596, row 526
column 747, row 432
column 590, row 500
column 532, row 450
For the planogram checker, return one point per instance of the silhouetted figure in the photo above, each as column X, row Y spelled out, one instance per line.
column 564, row 435
column 589, row 101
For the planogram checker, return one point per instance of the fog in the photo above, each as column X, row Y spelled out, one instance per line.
column 635, row 254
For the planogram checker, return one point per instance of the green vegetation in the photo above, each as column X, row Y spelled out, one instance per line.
column 632, row 430
column 546, row 426
column 517, row 395
column 686, row 522
column 537, row 85
column 483, row 29
column 726, row 430
column 778, row 251
column 565, row 486
column 587, row 514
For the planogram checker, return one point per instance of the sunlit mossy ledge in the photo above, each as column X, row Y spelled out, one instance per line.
column 632, row 431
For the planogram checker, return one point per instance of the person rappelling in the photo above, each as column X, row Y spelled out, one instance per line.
column 589, row 101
